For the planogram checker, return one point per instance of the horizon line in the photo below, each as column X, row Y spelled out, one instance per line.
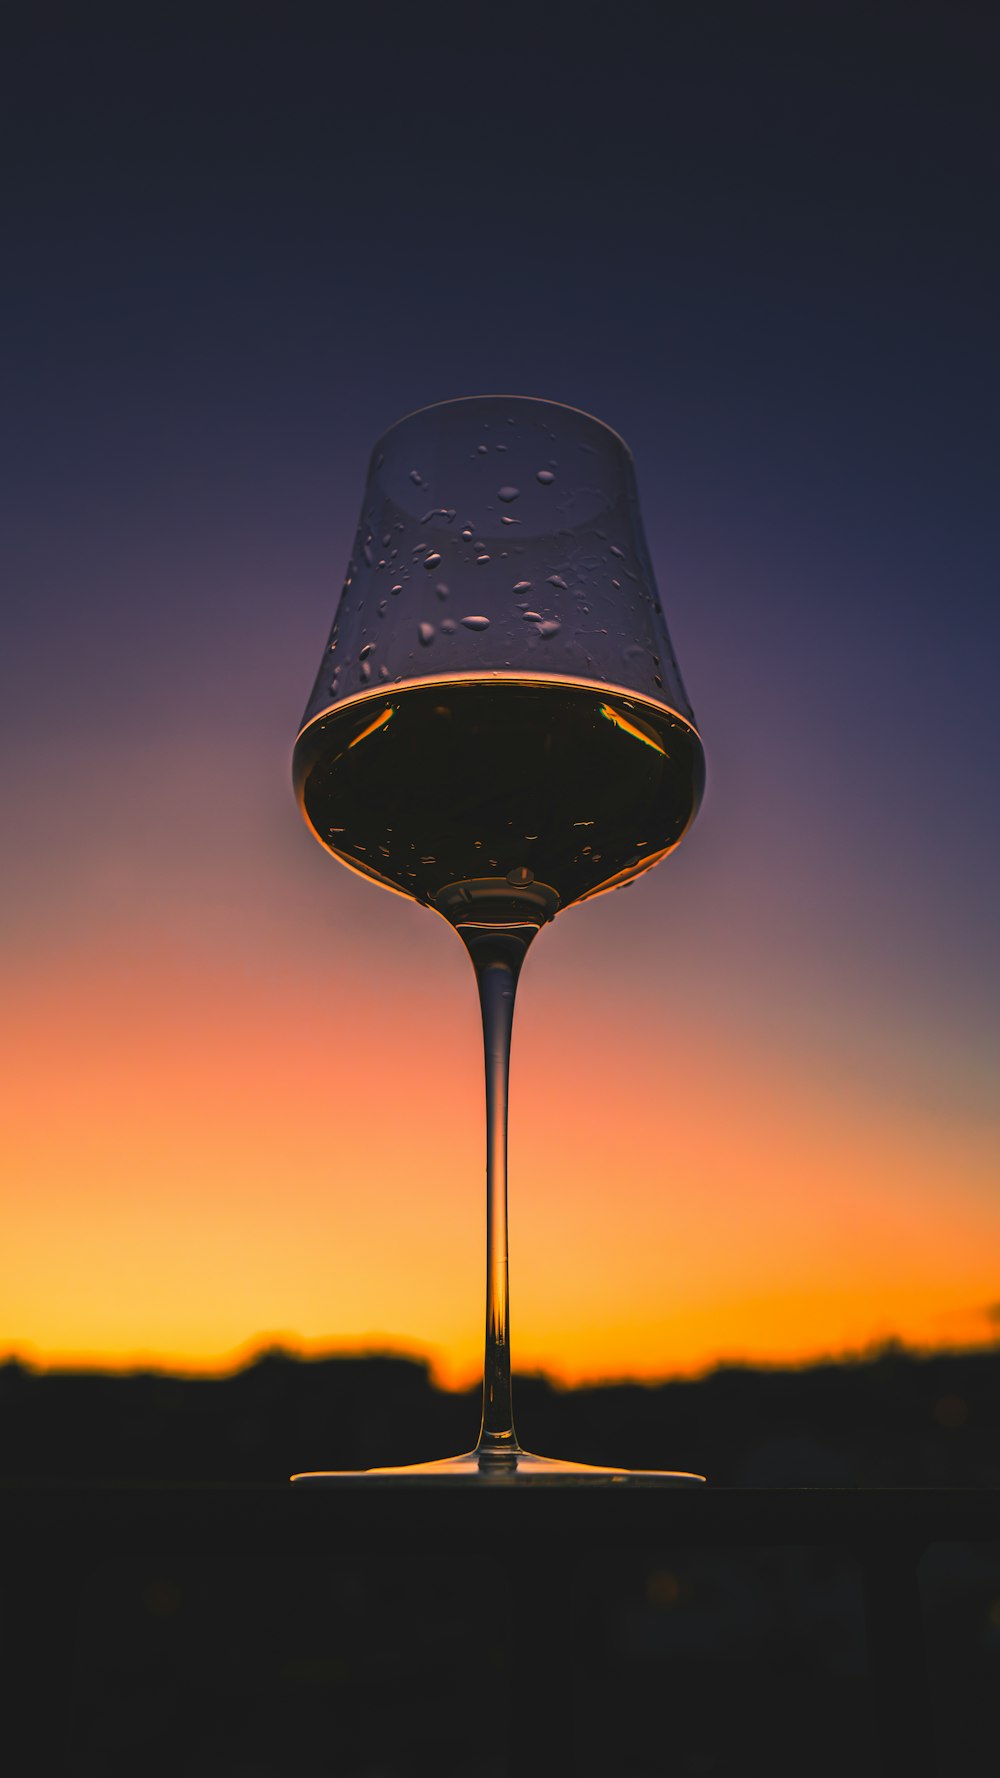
column 254, row 1353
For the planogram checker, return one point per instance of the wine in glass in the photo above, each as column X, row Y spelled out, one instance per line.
column 499, row 730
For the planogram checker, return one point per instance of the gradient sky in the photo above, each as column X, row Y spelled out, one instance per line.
column 754, row 1109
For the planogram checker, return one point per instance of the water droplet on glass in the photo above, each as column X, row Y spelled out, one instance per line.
column 366, row 552
column 416, row 478
column 467, row 532
column 521, row 875
column 442, row 589
column 505, row 519
column 396, row 589
column 365, row 672
column 432, row 560
column 369, row 648
column 483, row 558
column 426, row 634
column 522, row 586
column 476, row 623
column 508, row 494
column 557, row 580
column 545, row 476
column 550, row 628
column 481, row 449
column 448, row 627
column 620, row 553
column 532, row 617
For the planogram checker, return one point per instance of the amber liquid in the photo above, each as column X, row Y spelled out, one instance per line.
column 529, row 793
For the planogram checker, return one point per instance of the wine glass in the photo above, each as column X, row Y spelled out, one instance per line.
column 498, row 730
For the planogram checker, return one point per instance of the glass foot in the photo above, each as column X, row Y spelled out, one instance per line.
column 507, row 1469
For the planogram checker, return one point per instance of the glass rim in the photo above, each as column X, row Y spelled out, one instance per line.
column 534, row 401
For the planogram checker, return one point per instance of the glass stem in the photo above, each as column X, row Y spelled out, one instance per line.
column 497, row 956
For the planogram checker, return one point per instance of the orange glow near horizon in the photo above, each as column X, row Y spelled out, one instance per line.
column 208, row 1161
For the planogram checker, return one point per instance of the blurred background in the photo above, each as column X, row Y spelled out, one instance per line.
column 756, row 1118
column 753, row 1124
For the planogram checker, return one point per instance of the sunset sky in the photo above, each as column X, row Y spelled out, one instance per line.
column 754, row 1103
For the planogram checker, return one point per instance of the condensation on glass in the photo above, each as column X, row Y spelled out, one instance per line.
column 497, row 535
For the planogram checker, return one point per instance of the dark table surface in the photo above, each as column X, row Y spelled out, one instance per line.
column 227, row 1629
column 631, row 1514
